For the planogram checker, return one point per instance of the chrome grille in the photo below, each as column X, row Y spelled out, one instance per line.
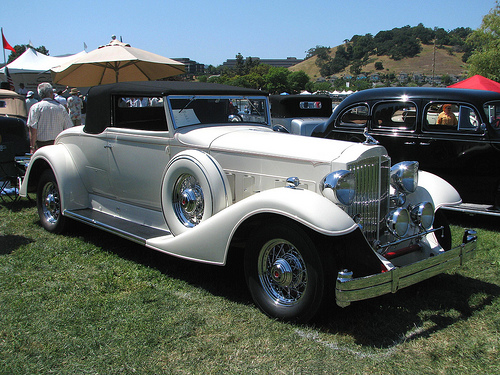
column 371, row 203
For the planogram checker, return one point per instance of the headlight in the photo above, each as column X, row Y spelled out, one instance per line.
column 398, row 222
column 339, row 187
column 423, row 215
column 404, row 176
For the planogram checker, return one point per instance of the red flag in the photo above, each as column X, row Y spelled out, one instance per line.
column 9, row 79
column 6, row 44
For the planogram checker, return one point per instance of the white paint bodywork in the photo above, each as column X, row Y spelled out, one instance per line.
column 120, row 172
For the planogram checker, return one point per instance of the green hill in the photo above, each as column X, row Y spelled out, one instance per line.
column 445, row 63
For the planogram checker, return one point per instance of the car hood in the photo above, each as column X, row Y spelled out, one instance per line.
column 267, row 143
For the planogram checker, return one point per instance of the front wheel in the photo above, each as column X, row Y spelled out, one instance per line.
column 284, row 273
column 48, row 201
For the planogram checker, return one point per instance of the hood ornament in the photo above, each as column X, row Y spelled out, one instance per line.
column 369, row 139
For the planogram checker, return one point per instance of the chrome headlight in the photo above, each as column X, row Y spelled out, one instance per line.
column 339, row 187
column 404, row 176
column 398, row 222
column 423, row 215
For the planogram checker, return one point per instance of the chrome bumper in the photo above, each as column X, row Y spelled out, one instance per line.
column 348, row 289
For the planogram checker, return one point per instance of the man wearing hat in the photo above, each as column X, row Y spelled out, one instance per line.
column 30, row 100
column 75, row 105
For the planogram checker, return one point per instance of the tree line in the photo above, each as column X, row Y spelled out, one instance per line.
column 398, row 43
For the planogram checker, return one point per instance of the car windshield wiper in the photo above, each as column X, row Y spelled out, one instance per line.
column 188, row 103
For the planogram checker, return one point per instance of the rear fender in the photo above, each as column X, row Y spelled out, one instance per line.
column 56, row 157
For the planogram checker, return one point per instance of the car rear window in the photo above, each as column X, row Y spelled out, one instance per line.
column 395, row 115
column 460, row 118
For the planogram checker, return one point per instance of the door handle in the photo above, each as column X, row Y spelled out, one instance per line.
column 409, row 143
column 108, row 146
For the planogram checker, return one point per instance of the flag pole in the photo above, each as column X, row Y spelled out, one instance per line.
column 4, row 59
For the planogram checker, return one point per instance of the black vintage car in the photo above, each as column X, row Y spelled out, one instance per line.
column 462, row 146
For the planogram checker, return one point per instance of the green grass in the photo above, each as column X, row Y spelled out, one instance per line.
column 91, row 303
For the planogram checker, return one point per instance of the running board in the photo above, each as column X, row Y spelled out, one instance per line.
column 112, row 224
column 471, row 208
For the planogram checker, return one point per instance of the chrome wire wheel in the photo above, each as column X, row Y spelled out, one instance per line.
column 51, row 202
column 188, row 201
column 282, row 272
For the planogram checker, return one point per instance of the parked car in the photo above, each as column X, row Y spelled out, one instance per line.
column 316, row 219
column 299, row 114
column 13, row 116
column 405, row 121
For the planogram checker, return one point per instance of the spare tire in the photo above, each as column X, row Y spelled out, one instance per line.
column 194, row 188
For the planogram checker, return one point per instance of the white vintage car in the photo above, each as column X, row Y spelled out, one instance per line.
column 168, row 165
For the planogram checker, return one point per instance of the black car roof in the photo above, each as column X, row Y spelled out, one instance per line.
column 99, row 102
column 430, row 93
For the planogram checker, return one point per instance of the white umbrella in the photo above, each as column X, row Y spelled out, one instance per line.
column 115, row 62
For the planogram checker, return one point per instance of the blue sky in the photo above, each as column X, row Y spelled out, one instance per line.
column 212, row 31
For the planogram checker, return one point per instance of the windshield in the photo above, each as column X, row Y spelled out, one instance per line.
column 194, row 110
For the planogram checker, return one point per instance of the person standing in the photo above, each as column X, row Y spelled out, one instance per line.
column 30, row 100
column 75, row 105
column 22, row 90
column 46, row 119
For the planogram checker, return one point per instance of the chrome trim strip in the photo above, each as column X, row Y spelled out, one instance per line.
column 418, row 235
column 357, row 289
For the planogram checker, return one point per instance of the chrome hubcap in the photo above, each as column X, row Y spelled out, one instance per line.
column 51, row 206
column 188, row 201
column 282, row 272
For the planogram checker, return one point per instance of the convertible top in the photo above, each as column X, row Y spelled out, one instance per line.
column 99, row 100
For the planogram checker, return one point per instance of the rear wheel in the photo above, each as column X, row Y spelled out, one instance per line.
column 284, row 273
column 48, row 200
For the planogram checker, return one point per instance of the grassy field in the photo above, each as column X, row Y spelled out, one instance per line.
column 92, row 303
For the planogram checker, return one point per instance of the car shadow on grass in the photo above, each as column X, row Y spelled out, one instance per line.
column 225, row 281
column 9, row 243
column 411, row 313
column 383, row 322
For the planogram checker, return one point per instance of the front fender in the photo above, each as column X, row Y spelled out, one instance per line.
column 56, row 157
column 209, row 241
column 434, row 189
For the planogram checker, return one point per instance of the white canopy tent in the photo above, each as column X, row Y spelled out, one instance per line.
column 32, row 67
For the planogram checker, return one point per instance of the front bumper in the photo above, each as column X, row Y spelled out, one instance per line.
column 348, row 289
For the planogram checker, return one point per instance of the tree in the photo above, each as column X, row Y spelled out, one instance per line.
column 317, row 51
column 379, row 65
column 485, row 58
column 240, row 64
column 297, row 81
column 276, row 80
column 21, row 48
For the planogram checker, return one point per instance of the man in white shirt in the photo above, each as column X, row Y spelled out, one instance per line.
column 47, row 118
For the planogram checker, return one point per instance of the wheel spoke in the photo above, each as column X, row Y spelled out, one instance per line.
column 282, row 272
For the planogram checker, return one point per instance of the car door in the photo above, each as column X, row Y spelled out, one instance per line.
column 459, row 150
column 394, row 125
column 138, row 154
column 91, row 157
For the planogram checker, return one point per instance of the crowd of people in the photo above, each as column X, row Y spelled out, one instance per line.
column 50, row 112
